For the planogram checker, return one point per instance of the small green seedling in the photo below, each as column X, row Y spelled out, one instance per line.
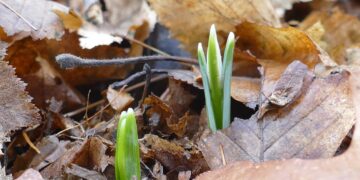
column 127, row 155
column 216, row 77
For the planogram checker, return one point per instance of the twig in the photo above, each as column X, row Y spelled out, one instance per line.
column 117, row 85
column 147, row 69
column 222, row 155
column 18, row 14
column 71, row 61
column 27, row 139
column 143, row 44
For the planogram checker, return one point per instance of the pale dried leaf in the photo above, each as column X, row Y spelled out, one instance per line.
column 345, row 166
column 341, row 32
column 38, row 13
column 246, row 90
column 30, row 174
column 118, row 100
column 197, row 16
column 313, row 126
column 16, row 109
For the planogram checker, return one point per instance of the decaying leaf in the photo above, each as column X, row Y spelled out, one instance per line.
column 275, row 49
column 172, row 156
column 197, row 16
column 162, row 117
column 70, row 19
column 50, row 150
column 92, row 155
column 16, row 109
column 345, row 166
column 246, row 90
column 81, row 172
column 341, row 32
column 118, row 100
column 313, row 126
column 39, row 21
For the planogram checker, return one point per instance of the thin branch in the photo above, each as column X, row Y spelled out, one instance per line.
column 18, row 14
column 71, row 61
column 147, row 69
column 143, row 44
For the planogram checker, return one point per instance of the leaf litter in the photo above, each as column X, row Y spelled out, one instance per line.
column 295, row 83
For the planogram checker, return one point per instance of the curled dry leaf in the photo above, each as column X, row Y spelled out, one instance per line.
column 118, row 100
column 39, row 21
column 341, row 31
column 246, row 90
column 16, row 109
column 313, row 126
column 163, row 118
column 197, row 16
column 172, row 156
column 92, row 155
column 332, row 168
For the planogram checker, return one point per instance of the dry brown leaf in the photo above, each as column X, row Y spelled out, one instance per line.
column 52, row 171
column 50, row 148
column 282, row 5
column 30, row 174
column 313, row 126
column 70, row 19
column 197, row 16
column 345, row 166
column 172, row 156
column 163, row 118
column 39, row 14
column 16, row 109
column 92, row 155
column 179, row 97
column 81, row 172
column 118, row 100
column 275, row 49
column 341, row 32
column 246, row 90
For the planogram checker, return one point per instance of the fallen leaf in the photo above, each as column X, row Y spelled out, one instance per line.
column 50, row 150
column 52, row 171
column 81, row 172
column 92, row 155
column 333, row 168
column 275, row 49
column 118, row 100
column 225, row 14
column 70, row 19
column 172, row 156
column 313, row 126
column 16, row 109
column 341, row 32
column 179, row 97
column 30, row 174
column 163, row 118
column 246, row 90
column 39, row 21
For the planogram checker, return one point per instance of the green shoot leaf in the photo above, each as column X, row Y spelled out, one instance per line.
column 127, row 155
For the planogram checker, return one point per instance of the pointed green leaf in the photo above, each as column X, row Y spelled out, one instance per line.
column 226, row 75
column 209, row 107
column 214, row 67
column 127, row 155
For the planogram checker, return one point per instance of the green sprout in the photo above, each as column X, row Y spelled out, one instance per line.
column 216, row 77
column 127, row 155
